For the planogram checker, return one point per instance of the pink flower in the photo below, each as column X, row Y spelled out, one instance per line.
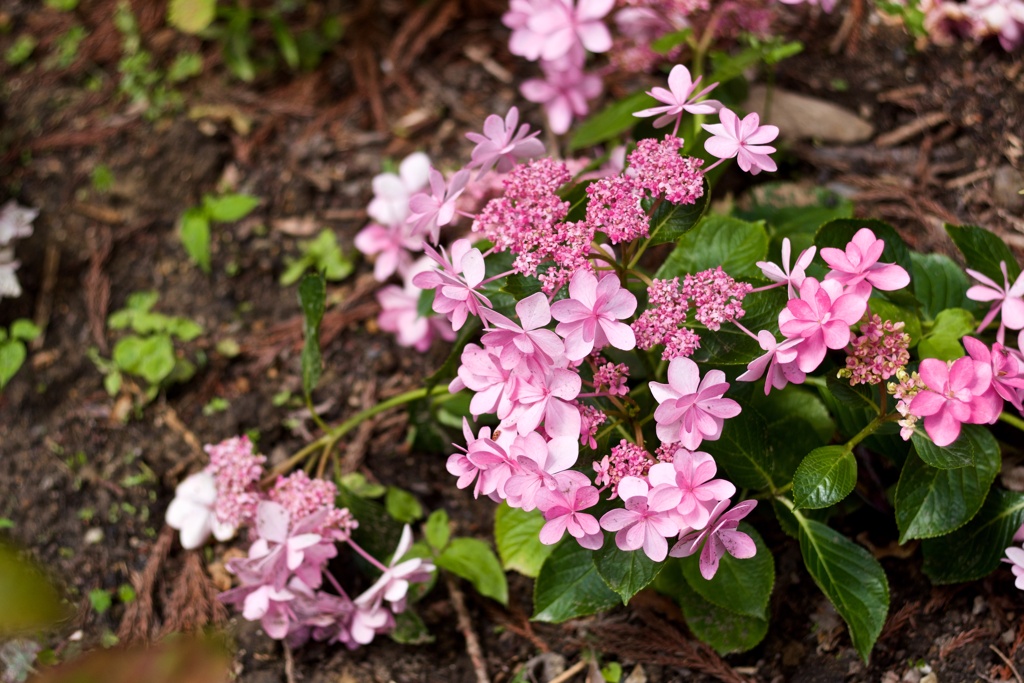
column 539, row 463
column 282, row 548
column 393, row 584
column 744, row 139
column 1006, row 300
column 780, row 361
column 1015, row 558
column 400, row 314
column 784, row 274
column 679, row 98
column 690, row 409
column 564, row 92
column 430, row 212
column 1007, row 370
column 859, row 264
column 562, row 507
column 531, row 338
column 956, row 393
column 391, row 192
column 482, row 372
column 502, row 145
column 588, row 319
column 691, row 472
column 545, row 395
column 392, row 245
column 483, row 459
column 193, row 512
column 720, row 536
column 646, row 520
column 455, row 294
column 821, row 317
column 549, row 29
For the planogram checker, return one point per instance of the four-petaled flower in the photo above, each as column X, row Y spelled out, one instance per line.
column 429, row 212
column 956, row 392
column 821, row 317
column 562, row 508
column 857, row 266
column 1008, row 300
column 692, row 473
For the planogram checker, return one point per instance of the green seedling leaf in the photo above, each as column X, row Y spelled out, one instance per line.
column 12, row 357
column 25, row 330
column 569, row 586
column 312, row 298
column 975, row 444
column 151, row 358
column 402, row 505
column 976, row 549
column 742, row 587
column 473, row 560
column 983, row 251
column 100, row 600
column 516, row 533
column 943, row 341
column 410, row 629
column 731, row 243
column 191, row 16
column 826, row 476
column 438, row 531
column 625, row 572
column 285, row 42
column 195, row 237
column 229, row 207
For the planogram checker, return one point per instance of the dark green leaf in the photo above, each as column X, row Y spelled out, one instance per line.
column 975, row 444
column 975, row 550
column 943, row 341
column 932, row 502
column 850, row 577
column 473, row 560
column 195, row 237
column 722, row 629
column 410, row 629
column 516, row 533
column 790, row 213
column 783, row 405
column 939, row 283
column 740, row 586
column 625, row 572
column 229, row 207
column 312, row 298
column 569, row 586
column 448, row 370
column 437, row 530
column 839, row 232
column 402, row 505
column 744, row 453
column 377, row 532
column 983, row 251
column 731, row 243
column 826, row 476
column 610, row 122
column 858, row 396
column 672, row 221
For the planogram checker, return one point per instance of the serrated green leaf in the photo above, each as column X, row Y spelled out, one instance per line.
column 731, row 243
column 625, row 572
column 473, row 560
column 437, row 530
column 229, row 207
column 672, row 221
column 726, row 631
column 610, row 122
column 12, row 356
column 939, row 283
column 744, row 453
column 975, row 550
column 740, row 586
column 932, row 502
column 790, row 213
column 569, row 586
column 781, row 406
column 312, row 299
column 826, row 476
column 943, row 340
column 402, row 505
column 195, row 237
column 850, row 577
column 983, row 250
column 191, row 16
column 975, row 443
column 517, row 535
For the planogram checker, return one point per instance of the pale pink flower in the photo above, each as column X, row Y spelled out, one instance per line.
column 503, row 143
column 193, row 513
column 539, row 462
column 429, row 212
column 720, row 536
column 393, row 584
column 517, row 341
column 482, row 372
column 391, row 191
column 282, row 548
column 550, row 29
column 392, row 245
column 658, row 167
column 1015, row 558
column 369, row 620
column 563, row 506
column 485, row 460
column 589, row 318
column 1007, row 300
column 545, row 395
column 679, row 98
column 564, row 91
column 780, row 362
column 783, row 274
column 692, row 473
column 400, row 314
column 455, row 284
column 15, row 222
column 691, row 409
column 956, row 392
column 646, row 521
column 822, row 317
column 237, row 471
column 744, row 139
column 858, row 264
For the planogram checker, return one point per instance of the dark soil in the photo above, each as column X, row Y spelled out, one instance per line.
column 86, row 480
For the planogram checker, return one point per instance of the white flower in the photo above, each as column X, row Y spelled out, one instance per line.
column 192, row 511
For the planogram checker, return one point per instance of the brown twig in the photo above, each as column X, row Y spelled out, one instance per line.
column 476, row 655
column 193, row 604
column 97, row 286
column 909, row 130
column 51, row 268
column 289, row 664
column 1008, row 661
column 961, row 639
column 570, row 672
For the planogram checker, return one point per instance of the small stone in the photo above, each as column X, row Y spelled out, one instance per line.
column 637, row 675
column 93, row 536
column 912, row 676
column 1007, row 182
column 800, row 117
column 930, row 678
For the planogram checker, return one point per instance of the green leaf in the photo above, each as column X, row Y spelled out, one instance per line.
column 625, row 572
column 740, row 586
column 939, row 283
column 100, row 600
column 610, row 122
column 516, row 533
column 195, row 237
column 932, row 502
column 410, row 630
column 184, row 329
column 744, row 453
column 790, row 212
column 975, row 444
column 839, row 232
column 377, row 532
column 665, row 43
column 229, row 207
column 25, row 330
column 569, row 586
column 473, row 560
column 312, row 298
column 357, row 484
column 28, row 602
column 975, row 550
column 191, row 16
column 402, row 505
column 722, row 629
column 437, row 530
column 983, row 251
column 718, row 241
column 672, row 221
column 12, row 356
column 850, row 577
column 943, row 341
column 826, row 476
column 151, row 358
column 783, row 405
column 285, row 42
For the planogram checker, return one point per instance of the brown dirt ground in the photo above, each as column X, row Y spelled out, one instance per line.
column 87, row 492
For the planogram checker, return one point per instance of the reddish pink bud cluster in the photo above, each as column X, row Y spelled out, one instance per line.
column 877, row 353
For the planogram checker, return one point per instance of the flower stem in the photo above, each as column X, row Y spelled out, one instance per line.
column 870, row 429
column 1012, row 420
column 367, row 556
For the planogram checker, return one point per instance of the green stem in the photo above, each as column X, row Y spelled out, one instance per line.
column 334, row 434
column 1012, row 420
column 870, row 429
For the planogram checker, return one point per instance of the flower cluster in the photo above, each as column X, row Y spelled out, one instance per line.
column 877, row 353
column 295, row 529
column 947, row 21
column 15, row 223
